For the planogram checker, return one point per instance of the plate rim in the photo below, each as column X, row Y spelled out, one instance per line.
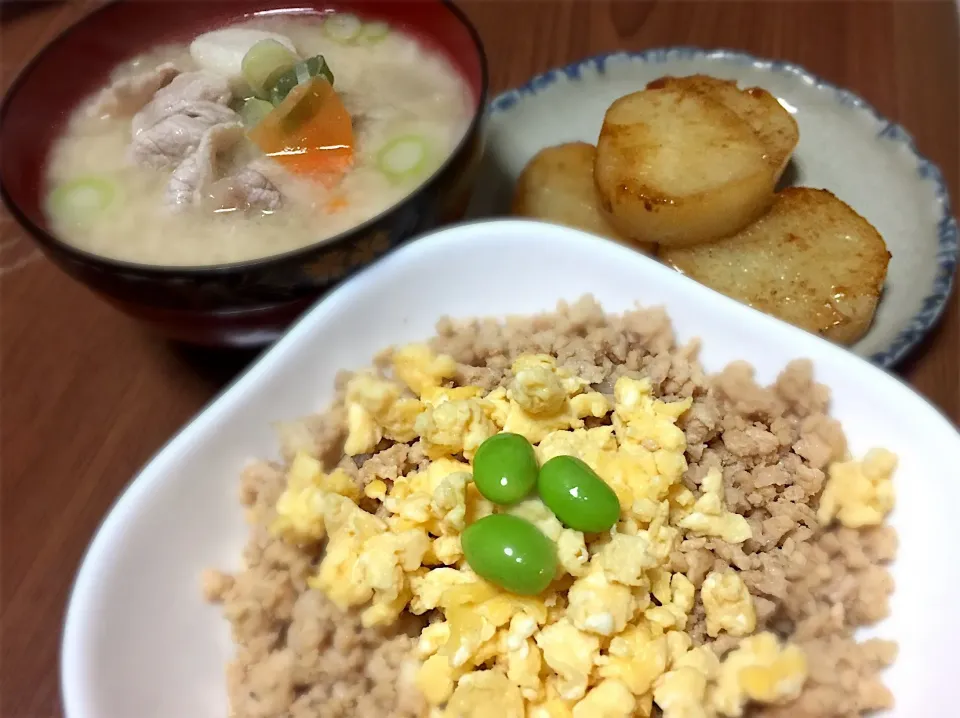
column 934, row 303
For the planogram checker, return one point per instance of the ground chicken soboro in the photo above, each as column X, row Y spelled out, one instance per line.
column 297, row 655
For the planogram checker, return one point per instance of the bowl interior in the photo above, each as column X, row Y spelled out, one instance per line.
column 140, row 642
column 79, row 62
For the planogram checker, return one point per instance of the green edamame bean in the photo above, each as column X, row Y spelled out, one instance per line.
column 578, row 497
column 505, row 468
column 510, row 552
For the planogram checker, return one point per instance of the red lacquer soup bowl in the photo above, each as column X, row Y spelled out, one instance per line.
column 246, row 303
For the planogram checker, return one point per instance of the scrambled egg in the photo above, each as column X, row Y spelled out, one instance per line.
column 300, row 508
column 728, row 604
column 455, row 426
column 376, row 410
column 859, row 493
column 609, row 699
column 543, row 398
column 607, row 639
column 420, row 369
column 709, row 517
column 760, row 669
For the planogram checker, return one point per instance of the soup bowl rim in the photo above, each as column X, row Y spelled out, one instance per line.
column 49, row 239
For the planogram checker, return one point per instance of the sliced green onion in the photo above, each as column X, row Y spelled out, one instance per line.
column 253, row 111
column 342, row 27
column 265, row 62
column 81, row 200
column 403, row 157
column 300, row 109
column 303, row 71
column 373, row 32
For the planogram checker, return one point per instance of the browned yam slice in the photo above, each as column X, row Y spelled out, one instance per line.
column 677, row 168
column 772, row 123
column 811, row 261
column 557, row 186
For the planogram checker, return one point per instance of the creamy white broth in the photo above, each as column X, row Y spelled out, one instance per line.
column 393, row 88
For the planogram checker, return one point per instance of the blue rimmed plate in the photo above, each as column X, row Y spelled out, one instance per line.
column 845, row 146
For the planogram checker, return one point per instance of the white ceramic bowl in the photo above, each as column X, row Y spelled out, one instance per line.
column 139, row 641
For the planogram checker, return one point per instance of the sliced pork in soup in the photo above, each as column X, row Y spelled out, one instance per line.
column 254, row 140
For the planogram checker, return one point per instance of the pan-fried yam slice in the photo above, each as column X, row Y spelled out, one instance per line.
column 775, row 127
column 811, row 261
column 678, row 168
column 557, row 186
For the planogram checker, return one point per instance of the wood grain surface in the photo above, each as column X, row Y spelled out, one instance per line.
column 87, row 396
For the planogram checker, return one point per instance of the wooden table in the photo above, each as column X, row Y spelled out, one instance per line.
column 87, row 396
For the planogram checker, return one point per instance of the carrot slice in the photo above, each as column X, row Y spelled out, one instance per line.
column 336, row 204
column 309, row 133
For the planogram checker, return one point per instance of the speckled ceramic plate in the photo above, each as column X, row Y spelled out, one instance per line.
column 846, row 146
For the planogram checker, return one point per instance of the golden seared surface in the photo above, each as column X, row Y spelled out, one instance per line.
column 811, row 261
column 676, row 167
column 557, row 186
column 775, row 127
